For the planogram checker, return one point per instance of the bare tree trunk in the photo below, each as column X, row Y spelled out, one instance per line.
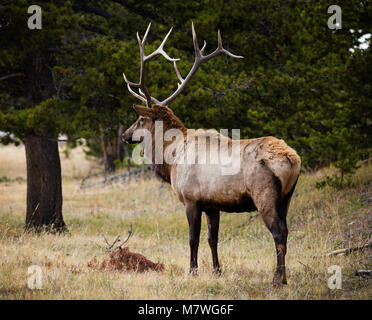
column 44, row 187
column 108, row 155
column 119, row 147
column 112, row 150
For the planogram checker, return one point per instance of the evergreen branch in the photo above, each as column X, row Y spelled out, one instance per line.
column 12, row 75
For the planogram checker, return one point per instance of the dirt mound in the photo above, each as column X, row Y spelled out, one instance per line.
column 124, row 260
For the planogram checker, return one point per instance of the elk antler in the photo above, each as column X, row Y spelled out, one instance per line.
column 144, row 94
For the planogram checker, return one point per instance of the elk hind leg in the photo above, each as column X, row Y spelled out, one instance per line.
column 273, row 212
column 280, row 234
column 279, row 231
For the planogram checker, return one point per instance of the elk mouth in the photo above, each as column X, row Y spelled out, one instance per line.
column 127, row 137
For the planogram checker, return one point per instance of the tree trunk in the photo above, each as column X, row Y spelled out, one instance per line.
column 112, row 149
column 44, row 187
column 108, row 156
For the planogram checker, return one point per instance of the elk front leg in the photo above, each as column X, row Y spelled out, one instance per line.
column 193, row 213
column 213, row 220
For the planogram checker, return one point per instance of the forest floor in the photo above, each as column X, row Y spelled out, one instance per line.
column 319, row 222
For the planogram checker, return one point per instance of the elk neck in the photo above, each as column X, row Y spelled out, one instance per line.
column 169, row 121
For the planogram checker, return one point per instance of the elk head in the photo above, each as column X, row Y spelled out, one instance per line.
column 144, row 121
column 155, row 109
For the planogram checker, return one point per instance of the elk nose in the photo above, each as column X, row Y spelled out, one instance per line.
column 127, row 137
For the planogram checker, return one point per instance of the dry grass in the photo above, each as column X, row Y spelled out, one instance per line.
column 319, row 221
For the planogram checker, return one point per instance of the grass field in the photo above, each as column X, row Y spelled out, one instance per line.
column 319, row 221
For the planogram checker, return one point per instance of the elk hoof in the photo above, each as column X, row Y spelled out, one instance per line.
column 217, row 272
column 194, row 272
column 279, row 280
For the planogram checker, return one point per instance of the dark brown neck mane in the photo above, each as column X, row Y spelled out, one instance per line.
column 170, row 121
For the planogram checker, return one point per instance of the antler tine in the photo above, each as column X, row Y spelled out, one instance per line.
column 143, row 99
column 198, row 51
column 195, row 42
column 132, row 84
column 204, row 45
column 146, row 33
column 224, row 50
column 140, row 96
column 199, row 59
column 154, row 100
column 160, row 50
column 178, row 72
column 219, row 39
column 220, row 50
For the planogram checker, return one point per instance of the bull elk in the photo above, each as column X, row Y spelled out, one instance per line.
column 265, row 181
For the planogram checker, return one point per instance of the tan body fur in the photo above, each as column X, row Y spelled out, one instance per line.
column 259, row 159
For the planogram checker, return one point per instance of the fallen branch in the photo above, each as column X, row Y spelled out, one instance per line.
column 306, row 266
column 364, row 273
column 110, row 247
column 90, row 175
column 311, row 270
column 126, row 240
column 248, row 221
column 343, row 252
column 123, row 175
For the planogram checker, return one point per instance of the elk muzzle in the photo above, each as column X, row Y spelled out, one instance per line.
column 127, row 137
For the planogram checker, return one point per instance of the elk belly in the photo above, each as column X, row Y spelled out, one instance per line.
column 206, row 185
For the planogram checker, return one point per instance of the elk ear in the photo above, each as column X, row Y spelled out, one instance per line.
column 143, row 111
